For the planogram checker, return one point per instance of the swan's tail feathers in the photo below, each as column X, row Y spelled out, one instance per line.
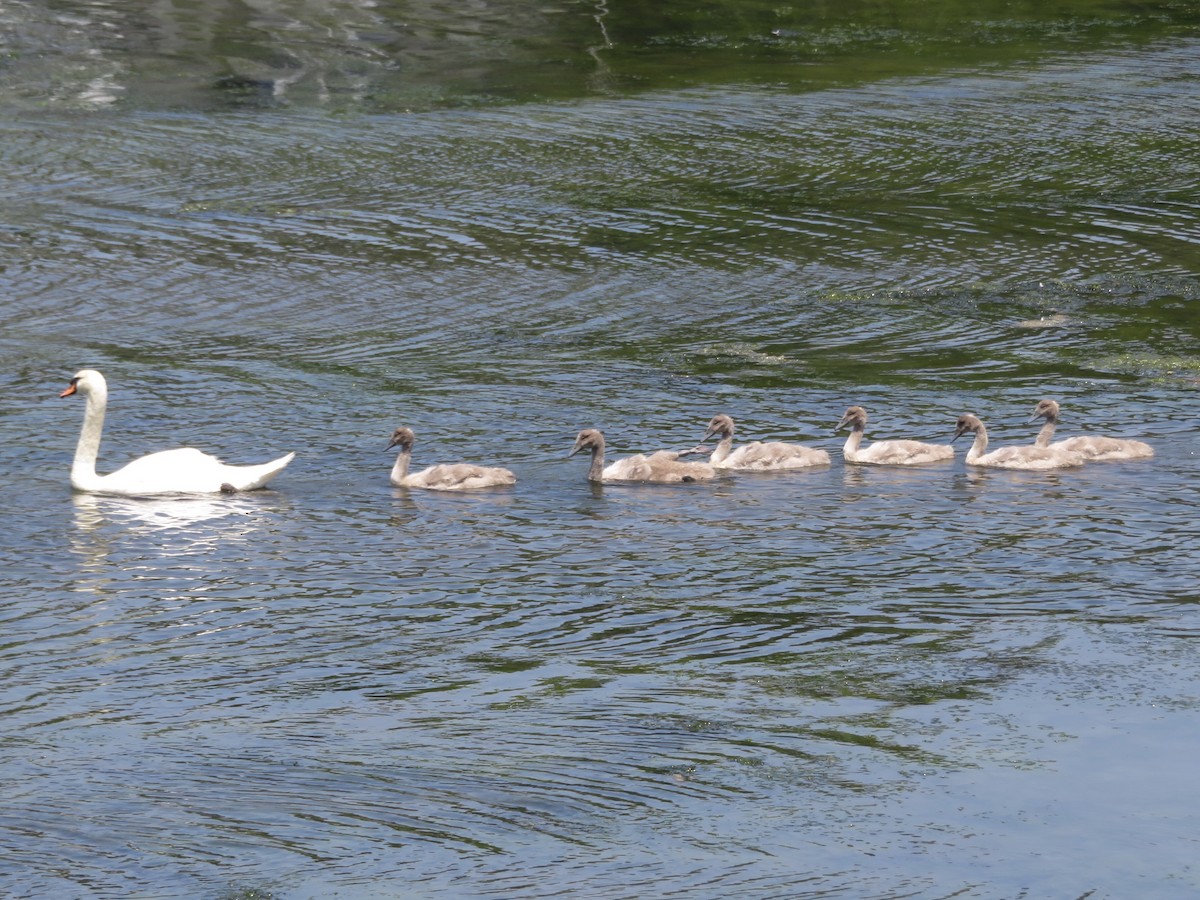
column 249, row 478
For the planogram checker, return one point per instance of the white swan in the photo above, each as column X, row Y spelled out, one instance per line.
column 1092, row 447
column 663, row 466
column 445, row 477
column 182, row 471
column 758, row 456
column 1027, row 457
column 887, row 453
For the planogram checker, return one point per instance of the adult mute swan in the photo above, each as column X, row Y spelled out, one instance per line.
column 182, row 471
column 1027, row 457
column 445, row 477
column 758, row 456
column 887, row 453
column 663, row 467
column 1092, row 447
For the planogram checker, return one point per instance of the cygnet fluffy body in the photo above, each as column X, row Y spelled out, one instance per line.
column 663, row 467
column 887, row 453
column 759, row 456
column 1028, row 457
column 1093, row 448
column 451, row 477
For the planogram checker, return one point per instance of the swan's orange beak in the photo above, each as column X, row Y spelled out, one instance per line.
column 69, row 391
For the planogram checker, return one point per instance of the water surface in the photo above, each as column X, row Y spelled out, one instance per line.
column 500, row 227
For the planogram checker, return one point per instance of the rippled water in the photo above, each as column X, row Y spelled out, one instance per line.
column 843, row 682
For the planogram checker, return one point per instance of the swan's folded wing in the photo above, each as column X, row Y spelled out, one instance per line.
column 185, row 470
column 904, row 452
column 1030, row 457
column 632, row 468
column 1096, row 447
column 188, row 471
column 461, row 477
column 775, row 455
column 668, row 470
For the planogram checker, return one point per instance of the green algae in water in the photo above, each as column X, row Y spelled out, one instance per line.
column 1154, row 368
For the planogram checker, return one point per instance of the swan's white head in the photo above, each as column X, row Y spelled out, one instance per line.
column 719, row 425
column 588, row 439
column 855, row 417
column 1046, row 409
column 85, row 381
column 967, row 423
column 402, row 438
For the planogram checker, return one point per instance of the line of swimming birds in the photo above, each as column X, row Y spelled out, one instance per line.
column 189, row 471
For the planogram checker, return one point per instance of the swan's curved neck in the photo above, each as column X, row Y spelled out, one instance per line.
column 852, row 442
column 1046, row 434
column 979, row 447
column 83, row 468
column 400, row 469
column 596, row 469
column 722, row 451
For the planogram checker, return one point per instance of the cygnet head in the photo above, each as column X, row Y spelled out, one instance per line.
column 588, row 439
column 402, row 438
column 966, row 423
column 719, row 425
column 84, row 381
column 855, row 417
column 1046, row 409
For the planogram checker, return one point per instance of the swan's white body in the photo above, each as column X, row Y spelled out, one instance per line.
column 182, row 471
column 887, row 453
column 662, row 467
column 759, row 456
column 1094, row 448
column 1027, row 457
column 445, row 477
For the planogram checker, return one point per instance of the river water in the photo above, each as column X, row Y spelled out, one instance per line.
column 297, row 226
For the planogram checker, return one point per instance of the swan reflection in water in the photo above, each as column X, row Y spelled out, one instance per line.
column 175, row 526
column 160, row 560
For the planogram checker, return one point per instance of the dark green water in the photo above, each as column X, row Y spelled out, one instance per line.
column 296, row 227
